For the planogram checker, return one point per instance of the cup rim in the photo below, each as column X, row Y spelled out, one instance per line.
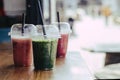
column 17, row 24
column 66, row 23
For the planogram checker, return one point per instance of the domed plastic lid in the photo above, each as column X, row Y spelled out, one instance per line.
column 28, row 30
column 51, row 31
column 64, row 27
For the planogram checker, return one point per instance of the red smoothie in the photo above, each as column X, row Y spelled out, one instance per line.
column 22, row 52
column 62, row 45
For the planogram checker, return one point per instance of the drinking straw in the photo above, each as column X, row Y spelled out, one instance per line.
column 58, row 19
column 23, row 23
column 40, row 12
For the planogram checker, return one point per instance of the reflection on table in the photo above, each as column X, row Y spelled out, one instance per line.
column 72, row 67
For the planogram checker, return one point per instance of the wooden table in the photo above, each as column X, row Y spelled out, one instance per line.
column 72, row 67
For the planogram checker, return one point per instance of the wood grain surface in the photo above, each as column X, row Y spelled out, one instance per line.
column 72, row 67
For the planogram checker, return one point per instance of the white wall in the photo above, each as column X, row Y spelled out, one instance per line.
column 14, row 7
column 70, row 11
column 53, row 11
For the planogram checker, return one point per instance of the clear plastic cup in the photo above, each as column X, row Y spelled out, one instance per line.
column 22, row 44
column 65, row 30
column 45, row 47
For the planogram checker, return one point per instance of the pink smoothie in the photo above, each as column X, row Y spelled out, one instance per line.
column 62, row 45
column 22, row 52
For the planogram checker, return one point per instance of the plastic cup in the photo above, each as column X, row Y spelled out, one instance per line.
column 63, row 41
column 44, row 48
column 22, row 44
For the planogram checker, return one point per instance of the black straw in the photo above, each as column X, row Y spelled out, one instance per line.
column 40, row 12
column 23, row 23
column 58, row 19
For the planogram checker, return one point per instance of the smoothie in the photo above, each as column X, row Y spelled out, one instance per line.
column 64, row 31
column 62, row 45
column 22, row 51
column 44, row 52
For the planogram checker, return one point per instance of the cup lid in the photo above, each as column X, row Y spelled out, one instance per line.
column 64, row 27
column 51, row 31
column 29, row 29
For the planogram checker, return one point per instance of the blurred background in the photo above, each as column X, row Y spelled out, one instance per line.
column 10, row 11
column 70, row 11
column 87, row 18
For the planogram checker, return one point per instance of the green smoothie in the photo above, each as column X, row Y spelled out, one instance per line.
column 44, row 52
